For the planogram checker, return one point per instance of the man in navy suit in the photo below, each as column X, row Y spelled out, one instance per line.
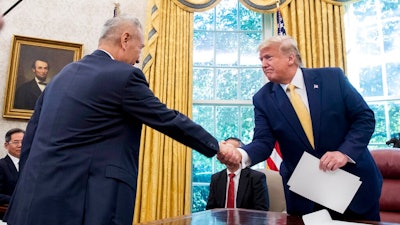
column 342, row 125
column 79, row 159
column 9, row 164
column 250, row 191
column 28, row 92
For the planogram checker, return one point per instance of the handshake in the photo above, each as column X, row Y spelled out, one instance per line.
column 229, row 154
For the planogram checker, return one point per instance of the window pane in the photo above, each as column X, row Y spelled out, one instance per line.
column 227, row 121
column 251, row 80
column 205, row 114
column 204, row 21
column 247, row 123
column 203, row 48
column 227, row 84
column 393, row 79
column 249, row 20
column 227, row 15
column 394, row 118
column 249, row 42
column 379, row 135
column 203, row 83
column 391, row 32
column 371, row 81
column 226, row 48
column 200, row 194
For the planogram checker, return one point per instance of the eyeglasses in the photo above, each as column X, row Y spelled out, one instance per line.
column 15, row 142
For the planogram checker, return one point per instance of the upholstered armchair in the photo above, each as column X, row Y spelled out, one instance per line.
column 388, row 162
column 277, row 202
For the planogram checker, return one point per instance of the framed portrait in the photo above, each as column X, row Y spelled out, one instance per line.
column 33, row 63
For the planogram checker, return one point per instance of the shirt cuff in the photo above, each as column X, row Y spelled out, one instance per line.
column 246, row 161
column 350, row 160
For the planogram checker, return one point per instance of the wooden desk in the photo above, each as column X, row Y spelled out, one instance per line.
column 237, row 217
column 3, row 208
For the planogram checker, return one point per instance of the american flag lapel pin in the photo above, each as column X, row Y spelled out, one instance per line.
column 315, row 86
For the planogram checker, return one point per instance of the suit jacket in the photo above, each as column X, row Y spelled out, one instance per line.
column 79, row 157
column 27, row 95
column 8, row 179
column 341, row 120
column 252, row 191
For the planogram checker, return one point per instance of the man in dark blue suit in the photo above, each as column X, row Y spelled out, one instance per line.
column 79, row 160
column 250, row 186
column 9, row 164
column 342, row 125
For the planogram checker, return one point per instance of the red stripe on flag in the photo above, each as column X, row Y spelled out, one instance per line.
column 274, row 165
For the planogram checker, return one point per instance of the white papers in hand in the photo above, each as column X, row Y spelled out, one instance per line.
column 332, row 189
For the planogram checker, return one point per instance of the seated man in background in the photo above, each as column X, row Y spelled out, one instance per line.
column 246, row 189
column 9, row 164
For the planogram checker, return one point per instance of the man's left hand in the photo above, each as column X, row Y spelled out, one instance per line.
column 331, row 161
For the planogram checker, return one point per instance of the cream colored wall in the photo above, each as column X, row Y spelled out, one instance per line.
column 77, row 21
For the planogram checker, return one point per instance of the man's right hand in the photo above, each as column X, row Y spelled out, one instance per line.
column 228, row 154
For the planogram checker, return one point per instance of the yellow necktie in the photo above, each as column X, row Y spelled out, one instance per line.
column 302, row 113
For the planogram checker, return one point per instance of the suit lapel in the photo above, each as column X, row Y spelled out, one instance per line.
column 11, row 166
column 221, row 188
column 242, row 187
column 313, row 85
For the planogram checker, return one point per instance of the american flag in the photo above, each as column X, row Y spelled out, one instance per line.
column 280, row 23
column 275, row 159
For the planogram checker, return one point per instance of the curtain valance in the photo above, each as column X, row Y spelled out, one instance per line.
column 261, row 6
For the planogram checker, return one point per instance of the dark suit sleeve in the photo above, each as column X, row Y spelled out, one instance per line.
column 140, row 102
column 30, row 133
column 4, row 198
column 361, row 117
column 260, row 190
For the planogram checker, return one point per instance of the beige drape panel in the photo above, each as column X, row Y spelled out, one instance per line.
column 164, row 182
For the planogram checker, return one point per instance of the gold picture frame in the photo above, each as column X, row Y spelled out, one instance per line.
column 26, row 51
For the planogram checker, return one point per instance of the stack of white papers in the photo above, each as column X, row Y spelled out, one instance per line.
column 332, row 189
column 322, row 217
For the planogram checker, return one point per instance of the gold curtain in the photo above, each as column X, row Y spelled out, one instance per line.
column 164, row 180
column 318, row 28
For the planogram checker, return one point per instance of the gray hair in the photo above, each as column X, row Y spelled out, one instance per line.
column 11, row 132
column 287, row 46
column 112, row 27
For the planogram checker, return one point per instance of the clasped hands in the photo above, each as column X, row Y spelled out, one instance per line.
column 229, row 154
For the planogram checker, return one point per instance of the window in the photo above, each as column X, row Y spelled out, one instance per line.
column 372, row 40
column 226, row 75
